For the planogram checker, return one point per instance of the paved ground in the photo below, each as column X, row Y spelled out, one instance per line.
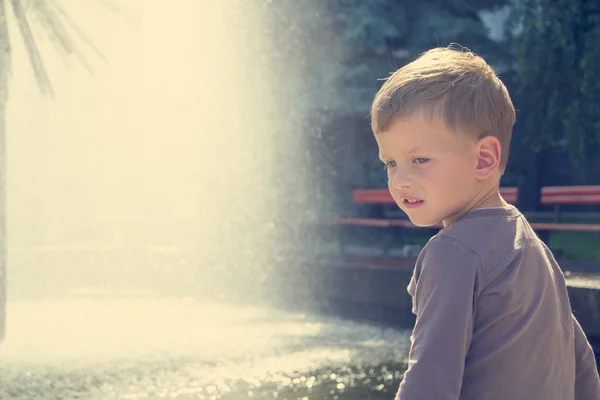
column 149, row 348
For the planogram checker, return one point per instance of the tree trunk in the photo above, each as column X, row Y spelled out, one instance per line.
column 4, row 70
column 530, row 190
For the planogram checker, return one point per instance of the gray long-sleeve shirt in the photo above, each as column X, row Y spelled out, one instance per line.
column 494, row 320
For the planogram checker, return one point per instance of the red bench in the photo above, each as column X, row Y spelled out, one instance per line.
column 377, row 199
column 568, row 195
column 556, row 196
column 382, row 197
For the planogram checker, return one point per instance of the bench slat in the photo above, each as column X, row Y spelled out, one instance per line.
column 555, row 190
column 557, row 195
column 372, row 196
column 570, row 198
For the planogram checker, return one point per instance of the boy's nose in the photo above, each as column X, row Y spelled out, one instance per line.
column 400, row 179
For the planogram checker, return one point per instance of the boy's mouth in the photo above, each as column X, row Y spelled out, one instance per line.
column 411, row 202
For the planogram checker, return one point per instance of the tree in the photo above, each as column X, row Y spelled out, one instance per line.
column 61, row 29
column 342, row 48
column 556, row 57
column 582, row 116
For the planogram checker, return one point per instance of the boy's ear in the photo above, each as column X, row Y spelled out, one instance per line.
column 488, row 157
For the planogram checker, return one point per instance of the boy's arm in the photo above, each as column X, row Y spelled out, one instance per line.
column 444, row 292
column 587, row 382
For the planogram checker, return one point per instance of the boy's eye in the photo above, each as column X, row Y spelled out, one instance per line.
column 420, row 160
column 389, row 164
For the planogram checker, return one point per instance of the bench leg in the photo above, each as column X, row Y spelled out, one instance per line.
column 340, row 238
column 544, row 236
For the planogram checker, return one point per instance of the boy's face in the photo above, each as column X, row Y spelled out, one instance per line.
column 431, row 170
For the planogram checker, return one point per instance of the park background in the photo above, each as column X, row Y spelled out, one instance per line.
column 546, row 52
column 168, row 208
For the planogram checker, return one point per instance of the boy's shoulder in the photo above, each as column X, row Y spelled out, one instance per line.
column 445, row 251
column 489, row 228
column 486, row 238
column 444, row 264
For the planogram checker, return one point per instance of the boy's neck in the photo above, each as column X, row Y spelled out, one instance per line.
column 493, row 199
column 488, row 197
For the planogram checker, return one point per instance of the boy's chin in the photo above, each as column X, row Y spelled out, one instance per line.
column 421, row 223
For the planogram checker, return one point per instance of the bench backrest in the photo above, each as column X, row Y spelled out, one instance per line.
column 570, row 195
column 382, row 196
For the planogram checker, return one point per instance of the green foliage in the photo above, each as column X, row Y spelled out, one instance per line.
column 341, row 49
column 557, row 59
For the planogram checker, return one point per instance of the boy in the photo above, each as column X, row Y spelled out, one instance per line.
column 493, row 314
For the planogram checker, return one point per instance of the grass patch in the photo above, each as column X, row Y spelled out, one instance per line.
column 576, row 245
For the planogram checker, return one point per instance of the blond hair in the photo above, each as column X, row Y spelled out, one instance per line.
column 454, row 84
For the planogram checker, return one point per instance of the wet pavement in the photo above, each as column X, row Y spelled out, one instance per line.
column 149, row 348
column 178, row 379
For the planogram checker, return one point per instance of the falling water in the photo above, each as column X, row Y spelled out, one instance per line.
column 147, row 206
column 155, row 167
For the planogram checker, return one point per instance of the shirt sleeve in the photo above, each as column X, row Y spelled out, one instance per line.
column 587, row 381
column 443, row 291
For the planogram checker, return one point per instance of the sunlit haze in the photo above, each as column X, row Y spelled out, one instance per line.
column 159, row 154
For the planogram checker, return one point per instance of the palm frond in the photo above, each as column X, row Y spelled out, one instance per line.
column 54, row 27
column 58, row 20
column 31, row 47
column 110, row 5
column 4, row 48
column 58, row 26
